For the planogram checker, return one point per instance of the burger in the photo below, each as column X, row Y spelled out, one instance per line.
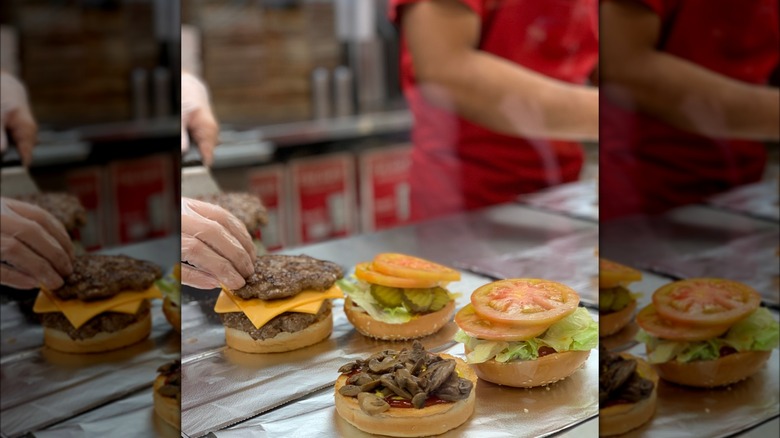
column 525, row 332
column 397, row 297
column 285, row 305
column 407, row 393
column 707, row 332
column 170, row 286
column 616, row 302
column 167, row 393
column 627, row 392
column 103, row 304
column 247, row 208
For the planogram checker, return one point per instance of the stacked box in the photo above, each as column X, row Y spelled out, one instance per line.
column 268, row 183
column 384, row 187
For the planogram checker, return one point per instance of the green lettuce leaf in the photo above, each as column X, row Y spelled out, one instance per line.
column 170, row 288
column 759, row 331
column 360, row 293
column 576, row 332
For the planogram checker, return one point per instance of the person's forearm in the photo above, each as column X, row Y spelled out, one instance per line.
column 511, row 99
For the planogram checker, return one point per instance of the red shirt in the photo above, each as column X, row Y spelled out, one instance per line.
column 648, row 166
column 458, row 165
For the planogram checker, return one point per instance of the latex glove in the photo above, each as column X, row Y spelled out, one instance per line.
column 216, row 245
column 16, row 117
column 36, row 250
column 197, row 118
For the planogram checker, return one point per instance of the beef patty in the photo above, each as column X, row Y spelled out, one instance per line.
column 246, row 207
column 108, row 322
column 63, row 206
column 99, row 277
column 288, row 322
column 283, row 276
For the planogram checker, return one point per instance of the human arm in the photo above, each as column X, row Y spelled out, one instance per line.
column 198, row 120
column 16, row 118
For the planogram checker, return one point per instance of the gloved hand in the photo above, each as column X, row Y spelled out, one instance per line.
column 36, row 250
column 215, row 245
column 16, row 117
column 197, row 118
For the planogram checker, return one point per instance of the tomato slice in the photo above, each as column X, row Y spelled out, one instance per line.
column 364, row 272
column 470, row 322
column 525, row 301
column 406, row 266
column 612, row 274
column 706, row 301
column 653, row 323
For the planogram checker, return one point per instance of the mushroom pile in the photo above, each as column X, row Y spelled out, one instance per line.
column 414, row 375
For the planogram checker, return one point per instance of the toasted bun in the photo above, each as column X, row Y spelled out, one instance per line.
column 172, row 314
column 613, row 322
column 418, row 327
column 619, row 419
column 711, row 373
column 166, row 407
column 282, row 342
column 135, row 332
column 529, row 373
column 410, row 422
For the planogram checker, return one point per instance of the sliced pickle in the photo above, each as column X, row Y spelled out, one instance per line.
column 387, row 296
column 418, row 300
column 606, row 297
column 622, row 298
column 440, row 299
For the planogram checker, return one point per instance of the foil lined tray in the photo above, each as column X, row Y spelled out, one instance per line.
column 761, row 200
column 577, row 199
column 222, row 386
column 500, row 411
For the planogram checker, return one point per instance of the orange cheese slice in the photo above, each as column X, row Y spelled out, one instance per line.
column 78, row 312
column 260, row 311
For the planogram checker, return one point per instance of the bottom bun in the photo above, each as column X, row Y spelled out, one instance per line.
column 106, row 341
column 410, row 422
column 172, row 314
column 613, row 322
column 619, row 419
column 166, row 407
column 418, row 327
column 530, row 373
column 711, row 373
column 282, row 342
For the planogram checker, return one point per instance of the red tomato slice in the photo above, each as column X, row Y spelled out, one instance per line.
column 364, row 272
column 613, row 274
column 525, row 301
column 406, row 266
column 653, row 323
column 471, row 323
column 706, row 301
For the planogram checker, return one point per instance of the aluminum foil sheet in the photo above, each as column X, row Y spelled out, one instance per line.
column 694, row 413
column 500, row 412
column 570, row 260
column 130, row 417
column 578, row 199
column 761, row 200
column 222, row 386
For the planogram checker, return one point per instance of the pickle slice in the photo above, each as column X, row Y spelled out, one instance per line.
column 606, row 297
column 418, row 300
column 622, row 298
column 387, row 296
column 440, row 299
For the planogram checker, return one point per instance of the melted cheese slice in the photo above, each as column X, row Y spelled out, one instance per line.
column 78, row 312
column 260, row 311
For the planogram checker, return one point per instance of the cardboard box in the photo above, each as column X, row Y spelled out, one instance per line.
column 141, row 194
column 322, row 190
column 268, row 183
column 384, row 187
column 87, row 184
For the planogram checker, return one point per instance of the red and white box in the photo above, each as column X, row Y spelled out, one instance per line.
column 384, row 187
column 322, row 190
column 141, row 192
column 87, row 185
column 268, row 184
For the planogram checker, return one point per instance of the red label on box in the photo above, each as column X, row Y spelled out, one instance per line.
column 384, row 187
column 87, row 184
column 142, row 193
column 268, row 184
column 323, row 191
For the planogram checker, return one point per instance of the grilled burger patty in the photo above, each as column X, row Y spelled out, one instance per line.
column 98, row 277
column 105, row 322
column 63, row 206
column 244, row 206
column 283, row 276
column 289, row 322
